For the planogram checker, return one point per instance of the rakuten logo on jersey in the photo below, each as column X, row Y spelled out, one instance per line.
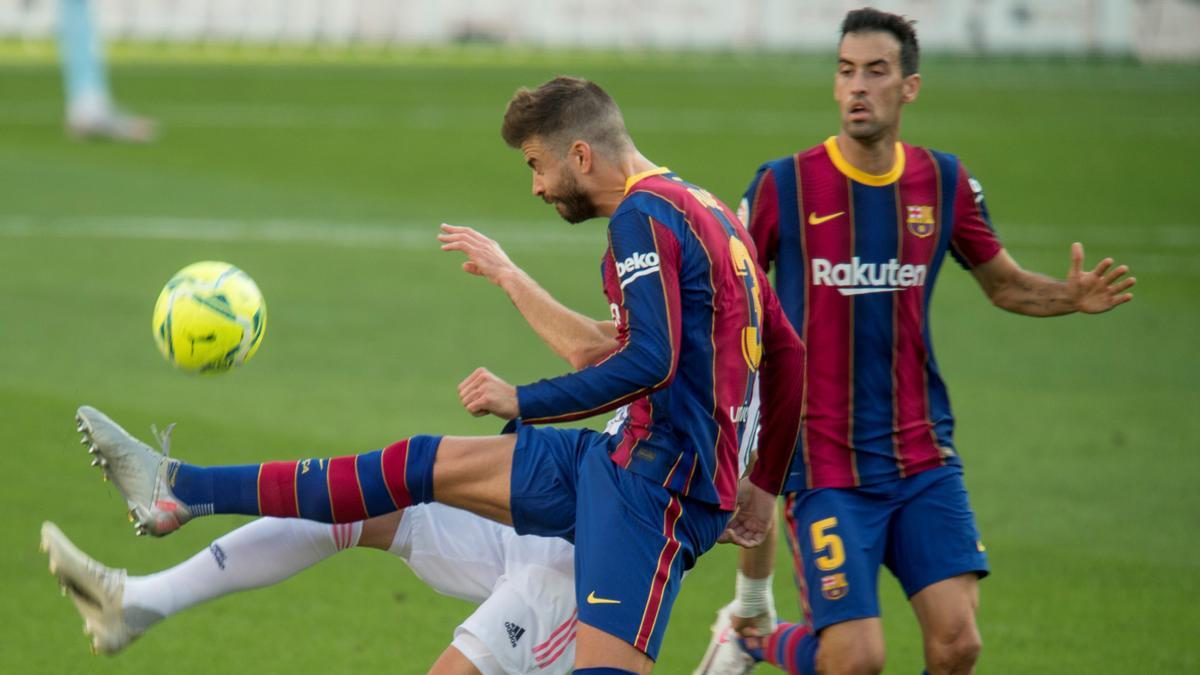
column 859, row 278
column 636, row 266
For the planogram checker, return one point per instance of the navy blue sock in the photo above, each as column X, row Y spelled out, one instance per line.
column 228, row 489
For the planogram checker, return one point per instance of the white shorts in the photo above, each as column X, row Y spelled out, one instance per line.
column 525, row 587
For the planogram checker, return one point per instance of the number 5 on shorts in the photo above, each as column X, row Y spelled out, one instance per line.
column 821, row 540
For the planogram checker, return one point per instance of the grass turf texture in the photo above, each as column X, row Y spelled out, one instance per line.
column 325, row 175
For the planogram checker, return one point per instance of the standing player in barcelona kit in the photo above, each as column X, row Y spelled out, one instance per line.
column 696, row 331
column 858, row 228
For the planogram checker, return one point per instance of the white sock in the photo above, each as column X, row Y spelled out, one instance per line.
column 263, row 552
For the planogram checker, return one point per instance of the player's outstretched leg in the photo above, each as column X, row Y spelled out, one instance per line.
column 117, row 608
column 97, row 592
column 164, row 493
column 139, row 473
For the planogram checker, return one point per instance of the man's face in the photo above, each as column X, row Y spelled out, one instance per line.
column 869, row 87
column 554, row 180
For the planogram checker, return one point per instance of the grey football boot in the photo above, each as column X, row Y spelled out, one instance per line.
column 140, row 473
column 97, row 591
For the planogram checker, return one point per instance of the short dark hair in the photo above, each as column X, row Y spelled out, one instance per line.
column 869, row 20
column 562, row 111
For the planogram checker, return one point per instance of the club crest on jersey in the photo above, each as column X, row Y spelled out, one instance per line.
column 834, row 586
column 920, row 220
column 636, row 266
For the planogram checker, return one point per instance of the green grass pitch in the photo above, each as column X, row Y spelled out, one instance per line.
column 325, row 176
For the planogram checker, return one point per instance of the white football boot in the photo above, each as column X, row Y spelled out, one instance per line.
column 97, row 592
column 725, row 655
column 141, row 474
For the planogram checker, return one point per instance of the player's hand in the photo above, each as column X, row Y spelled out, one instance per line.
column 1100, row 289
column 753, row 629
column 752, row 518
column 485, row 258
column 482, row 393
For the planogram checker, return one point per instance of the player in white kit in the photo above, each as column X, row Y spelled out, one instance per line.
column 525, row 622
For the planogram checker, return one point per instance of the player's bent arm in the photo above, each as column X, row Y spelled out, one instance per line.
column 579, row 339
column 1021, row 291
column 782, row 371
column 648, row 353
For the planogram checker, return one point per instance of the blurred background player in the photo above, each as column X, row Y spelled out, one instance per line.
column 858, row 228
column 524, row 585
column 91, row 111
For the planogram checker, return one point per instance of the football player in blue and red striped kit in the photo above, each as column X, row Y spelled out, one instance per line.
column 695, row 332
column 858, row 228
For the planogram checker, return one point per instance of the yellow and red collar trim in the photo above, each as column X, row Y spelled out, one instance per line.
column 874, row 180
column 632, row 180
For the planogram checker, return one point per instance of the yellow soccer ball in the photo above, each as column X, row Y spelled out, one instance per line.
column 209, row 318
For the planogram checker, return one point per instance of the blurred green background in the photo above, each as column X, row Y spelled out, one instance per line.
column 325, row 175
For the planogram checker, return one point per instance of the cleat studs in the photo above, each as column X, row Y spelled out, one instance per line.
column 96, row 462
column 104, row 477
column 131, row 515
column 79, row 426
column 83, row 440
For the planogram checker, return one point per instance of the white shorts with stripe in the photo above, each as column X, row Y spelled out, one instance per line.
column 525, row 587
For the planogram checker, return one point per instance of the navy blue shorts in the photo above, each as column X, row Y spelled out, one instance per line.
column 634, row 539
column 920, row 527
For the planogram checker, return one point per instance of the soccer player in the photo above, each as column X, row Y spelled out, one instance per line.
column 91, row 112
column 524, row 585
column 858, row 228
column 695, row 331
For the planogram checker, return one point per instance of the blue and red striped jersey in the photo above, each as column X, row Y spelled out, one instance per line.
column 856, row 256
column 697, row 327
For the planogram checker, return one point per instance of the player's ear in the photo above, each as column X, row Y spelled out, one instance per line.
column 581, row 156
column 910, row 88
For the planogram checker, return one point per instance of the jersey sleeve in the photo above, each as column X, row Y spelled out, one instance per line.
column 759, row 213
column 782, row 391
column 647, row 261
column 973, row 241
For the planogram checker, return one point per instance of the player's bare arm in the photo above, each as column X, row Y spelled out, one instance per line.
column 752, row 519
column 577, row 338
column 1024, row 292
column 753, row 615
